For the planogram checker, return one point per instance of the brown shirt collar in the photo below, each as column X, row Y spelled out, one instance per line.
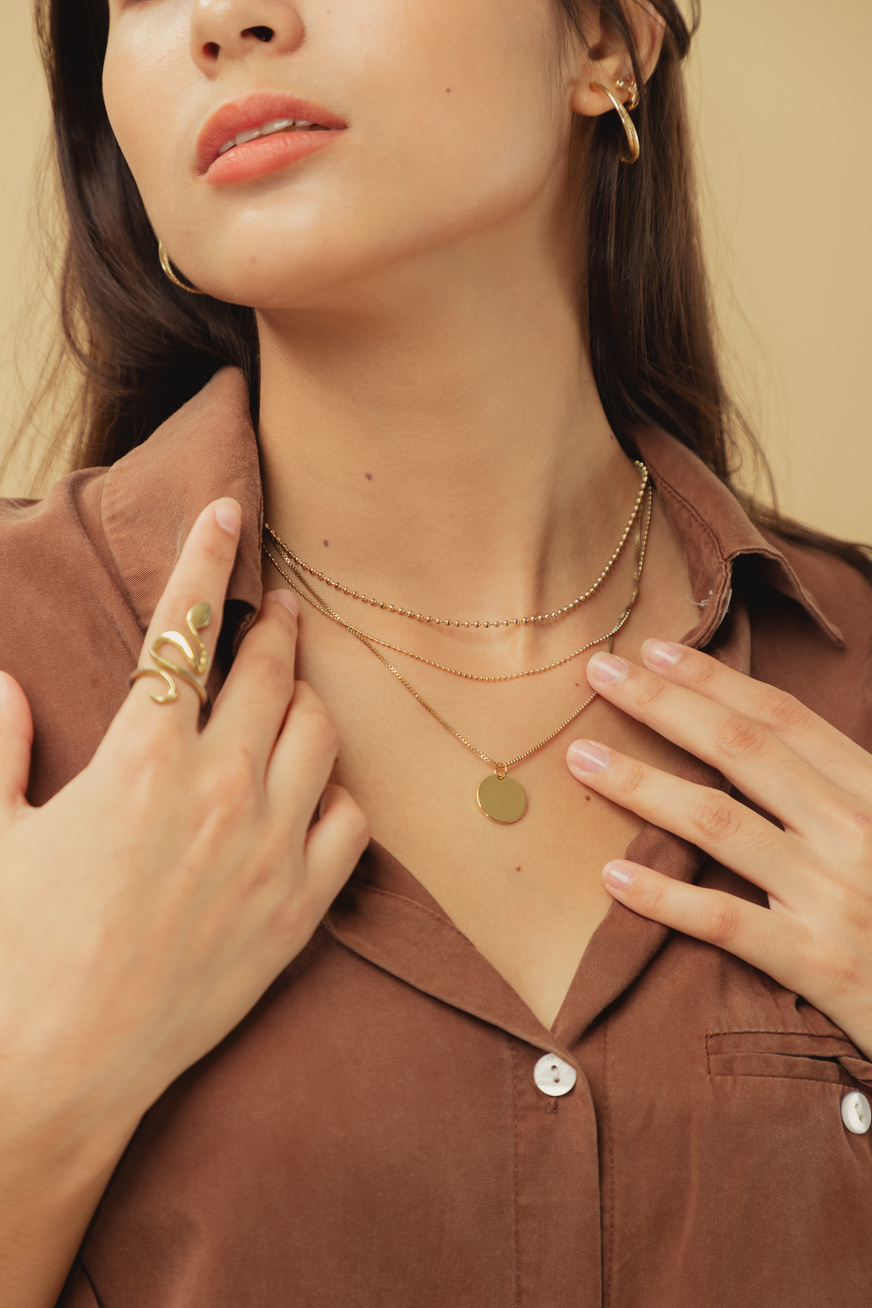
column 209, row 449
column 204, row 451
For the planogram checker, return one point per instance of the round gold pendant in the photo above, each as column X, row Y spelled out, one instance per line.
column 502, row 799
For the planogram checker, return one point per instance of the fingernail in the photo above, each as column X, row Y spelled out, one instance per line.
column 228, row 515
column 287, row 599
column 585, row 756
column 661, row 653
column 607, row 668
column 617, row 875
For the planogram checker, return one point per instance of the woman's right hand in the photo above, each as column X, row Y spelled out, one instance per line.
column 149, row 904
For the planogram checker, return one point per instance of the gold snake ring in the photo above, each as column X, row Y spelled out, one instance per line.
column 195, row 653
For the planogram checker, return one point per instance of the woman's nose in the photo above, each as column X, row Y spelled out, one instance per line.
column 224, row 30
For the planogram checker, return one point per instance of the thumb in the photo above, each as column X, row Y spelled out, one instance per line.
column 16, row 738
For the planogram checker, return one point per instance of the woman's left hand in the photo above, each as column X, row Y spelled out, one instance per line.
column 816, row 936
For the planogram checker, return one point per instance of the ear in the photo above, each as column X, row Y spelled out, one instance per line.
column 606, row 58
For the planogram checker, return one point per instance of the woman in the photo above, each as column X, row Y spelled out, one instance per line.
column 251, row 1057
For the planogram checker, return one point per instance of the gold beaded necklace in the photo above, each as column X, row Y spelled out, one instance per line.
column 401, row 612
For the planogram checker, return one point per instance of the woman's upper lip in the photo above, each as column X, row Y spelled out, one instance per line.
column 252, row 111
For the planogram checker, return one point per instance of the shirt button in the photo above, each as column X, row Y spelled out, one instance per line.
column 553, row 1076
column 856, row 1112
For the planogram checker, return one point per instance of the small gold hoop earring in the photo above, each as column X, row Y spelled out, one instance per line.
column 171, row 273
column 627, row 123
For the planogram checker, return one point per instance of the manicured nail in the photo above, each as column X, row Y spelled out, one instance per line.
column 607, row 668
column 287, row 599
column 228, row 515
column 661, row 653
column 617, row 875
column 585, row 756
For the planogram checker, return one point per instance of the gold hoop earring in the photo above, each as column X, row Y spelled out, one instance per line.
column 171, row 273
column 626, row 122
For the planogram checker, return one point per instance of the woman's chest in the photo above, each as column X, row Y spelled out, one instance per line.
column 528, row 894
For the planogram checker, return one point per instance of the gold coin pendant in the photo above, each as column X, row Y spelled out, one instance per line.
column 502, row 799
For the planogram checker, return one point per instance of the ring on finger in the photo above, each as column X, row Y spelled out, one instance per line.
column 195, row 654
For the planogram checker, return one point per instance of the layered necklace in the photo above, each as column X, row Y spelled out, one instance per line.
column 500, row 797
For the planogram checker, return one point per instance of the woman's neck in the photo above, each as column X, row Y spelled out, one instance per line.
column 453, row 454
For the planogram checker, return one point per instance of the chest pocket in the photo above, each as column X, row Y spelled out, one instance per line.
column 795, row 1055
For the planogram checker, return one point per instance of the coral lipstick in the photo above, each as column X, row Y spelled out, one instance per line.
column 266, row 154
column 261, row 134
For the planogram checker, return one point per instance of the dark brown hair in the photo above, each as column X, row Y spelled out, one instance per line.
column 145, row 347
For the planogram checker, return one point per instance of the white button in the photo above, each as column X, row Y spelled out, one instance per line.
column 856, row 1112
column 553, row 1076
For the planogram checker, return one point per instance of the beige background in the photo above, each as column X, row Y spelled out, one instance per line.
column 788, row 197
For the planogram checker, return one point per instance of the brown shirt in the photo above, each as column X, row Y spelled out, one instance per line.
column 372, row 1133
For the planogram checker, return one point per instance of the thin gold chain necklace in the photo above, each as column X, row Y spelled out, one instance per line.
column 311, row 596
column 499, row 796
column 291, row 557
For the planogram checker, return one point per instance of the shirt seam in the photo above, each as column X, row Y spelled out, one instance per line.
column 708, row 626
column 659, row 479
column 769, row 1076
column 806, row 1035
column 765, row 550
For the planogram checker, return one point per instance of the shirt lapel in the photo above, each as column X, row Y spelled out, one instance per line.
column 204, row 451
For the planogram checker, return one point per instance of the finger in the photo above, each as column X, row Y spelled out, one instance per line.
column 765, row 769
column 730, row 832
column 16, row 740
column 201, row 574
column 302, row 760
column 768, row 941
column 336, row 841
column 253, row 702
column 812, row 739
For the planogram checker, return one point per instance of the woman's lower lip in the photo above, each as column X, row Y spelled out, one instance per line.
column 266, row 154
